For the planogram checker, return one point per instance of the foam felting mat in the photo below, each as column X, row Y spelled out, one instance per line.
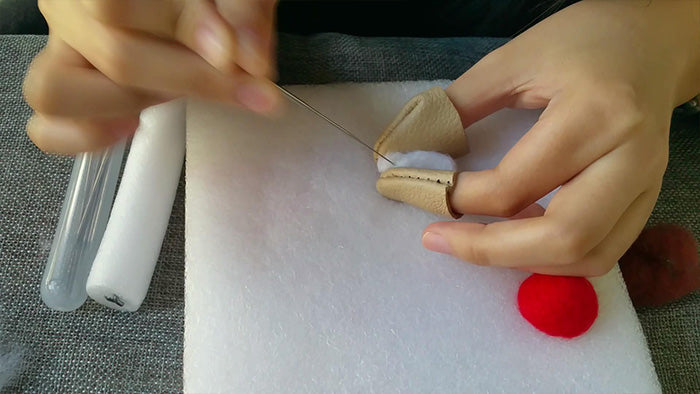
column 300, row 277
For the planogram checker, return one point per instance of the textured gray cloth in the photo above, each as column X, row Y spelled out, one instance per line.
column 673, row 331
column 93, row 349
column 97, row 350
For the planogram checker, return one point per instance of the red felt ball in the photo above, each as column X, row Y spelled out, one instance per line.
column 661, row 266
column 560, row 306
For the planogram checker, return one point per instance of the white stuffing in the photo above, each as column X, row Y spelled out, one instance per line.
column 418, row 159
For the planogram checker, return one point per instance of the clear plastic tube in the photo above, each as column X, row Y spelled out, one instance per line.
column 80, row 227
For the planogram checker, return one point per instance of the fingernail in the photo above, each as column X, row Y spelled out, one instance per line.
column 436, row 243
column 211, row 44
column 255, row 97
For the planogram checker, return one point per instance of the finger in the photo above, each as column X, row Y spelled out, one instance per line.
column 491, row 84
column 603, row 257
column 57, row 48
column 563, row 141
column 254, row 23
column 194, row 23
column 158, row 17
column 56, row 86
column 578, row 218
column 151, row 64
column 202, row 29
column 68, row 136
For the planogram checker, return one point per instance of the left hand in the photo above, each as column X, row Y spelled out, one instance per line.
column 608, row 74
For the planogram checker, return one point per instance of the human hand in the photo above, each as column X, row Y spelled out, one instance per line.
column 608, row 74
column 107, row 60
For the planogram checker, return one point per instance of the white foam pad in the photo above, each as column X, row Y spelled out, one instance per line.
column 301, row 278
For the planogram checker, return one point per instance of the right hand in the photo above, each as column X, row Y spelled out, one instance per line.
column 107, row 60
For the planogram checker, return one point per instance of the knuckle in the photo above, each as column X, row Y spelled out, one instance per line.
column 476, row 253
column 116, row 64
column 598, row 268
column 38, row 88
column 570, row 245
column 480, row 256
column 629, row 122
column 618, row 108
column 37, row 137
column 471, row 252
column 506, row 199
column 106, row 11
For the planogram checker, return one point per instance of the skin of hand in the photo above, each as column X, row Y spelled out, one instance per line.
column 608, row 75
column 107, row 60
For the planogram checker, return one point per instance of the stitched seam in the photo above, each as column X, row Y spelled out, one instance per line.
column 448, row 183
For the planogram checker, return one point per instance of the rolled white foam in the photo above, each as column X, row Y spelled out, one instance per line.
column 123, row 267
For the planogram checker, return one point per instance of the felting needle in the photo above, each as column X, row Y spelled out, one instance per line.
column 347, row 132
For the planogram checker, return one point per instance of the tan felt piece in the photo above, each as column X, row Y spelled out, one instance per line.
column 426, row 189
column 429, row 121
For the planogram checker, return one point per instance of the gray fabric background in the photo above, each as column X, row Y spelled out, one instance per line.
column 97, row 350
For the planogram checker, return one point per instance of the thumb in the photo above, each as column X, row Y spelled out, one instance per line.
column 491, row 84
column 455, row 238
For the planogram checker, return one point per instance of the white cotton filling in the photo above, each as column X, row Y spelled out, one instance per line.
column 418, row 159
